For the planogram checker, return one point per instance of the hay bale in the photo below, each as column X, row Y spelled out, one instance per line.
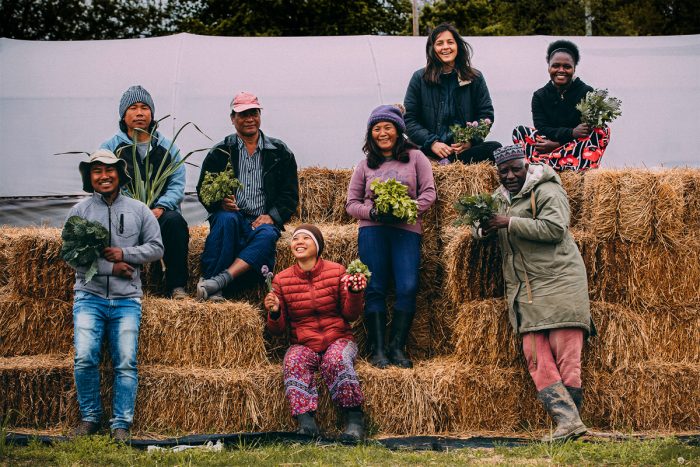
column 690, row 179
column 601, row 198
column 34, row 390
column 573, row 185
column 637, row 202
column 674, row 332
column 7, row 238
column 669, row 226
column 29, row 326
column 623, row 337
column 322, row 196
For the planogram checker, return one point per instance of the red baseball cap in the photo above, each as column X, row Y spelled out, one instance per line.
column 245, row 101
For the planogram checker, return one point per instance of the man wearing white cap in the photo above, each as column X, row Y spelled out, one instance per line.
column 245, row 226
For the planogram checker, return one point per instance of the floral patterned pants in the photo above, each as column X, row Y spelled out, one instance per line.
column 337, row 371
column 579, row 155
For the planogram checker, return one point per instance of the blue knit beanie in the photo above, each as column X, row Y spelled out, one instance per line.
column 133, row 95
column 387, row 113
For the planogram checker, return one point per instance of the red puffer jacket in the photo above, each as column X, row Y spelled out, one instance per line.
column 316, row 305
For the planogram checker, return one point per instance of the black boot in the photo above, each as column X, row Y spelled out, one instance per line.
column 561, row 408
column 400, row 326
column 307, row 424
column 354, row 425
column 376, row 326
column 577, row 396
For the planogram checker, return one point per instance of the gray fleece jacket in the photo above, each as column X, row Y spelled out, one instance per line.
column 133, row 228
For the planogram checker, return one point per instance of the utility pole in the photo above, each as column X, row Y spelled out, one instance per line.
column 415, row 16
column 589, row 17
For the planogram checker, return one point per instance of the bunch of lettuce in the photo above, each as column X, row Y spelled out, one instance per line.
column 597, row 109
column 391, row 197
column 475, row 210
column 215, row 187
column 358, row 267
column 83, row 242
column 471, row 130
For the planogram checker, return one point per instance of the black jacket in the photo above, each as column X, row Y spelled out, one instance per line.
column 280, row 180
column 554, row 114
column 424, row 103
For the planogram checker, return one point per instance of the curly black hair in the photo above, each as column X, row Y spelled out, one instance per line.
column 563, row 46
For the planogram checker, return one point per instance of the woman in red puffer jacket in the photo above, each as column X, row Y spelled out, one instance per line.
column 313, row 298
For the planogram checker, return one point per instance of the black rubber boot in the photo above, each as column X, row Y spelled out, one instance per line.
column 354, row 426
column 561, row 408
column 307, row 424
column 376, row 326
column 400, row 326
column 577, row 396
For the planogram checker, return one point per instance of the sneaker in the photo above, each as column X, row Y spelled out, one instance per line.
column 179, row 293
column 85, row 428
column 121, row 435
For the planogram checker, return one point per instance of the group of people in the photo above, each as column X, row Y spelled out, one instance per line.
column 313, row 299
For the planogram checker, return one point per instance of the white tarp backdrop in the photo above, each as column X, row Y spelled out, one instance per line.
column 317, row 93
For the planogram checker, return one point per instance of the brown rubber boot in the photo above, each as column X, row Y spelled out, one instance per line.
column 561, row 408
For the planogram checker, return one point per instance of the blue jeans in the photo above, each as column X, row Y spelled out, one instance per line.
column 231, row 236
column 390, row 252
column 120, row 320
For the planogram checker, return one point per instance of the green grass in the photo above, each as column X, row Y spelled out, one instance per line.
column 100, row 450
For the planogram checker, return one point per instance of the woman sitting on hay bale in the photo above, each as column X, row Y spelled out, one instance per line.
column 387, row 244
column 560, row 139
column 546, row 283
column 315, row 299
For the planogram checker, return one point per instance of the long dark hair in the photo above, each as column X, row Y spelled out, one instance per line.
column 375, row 158
column 463, row 61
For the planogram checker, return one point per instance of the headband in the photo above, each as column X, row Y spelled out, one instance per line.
column 310, row 234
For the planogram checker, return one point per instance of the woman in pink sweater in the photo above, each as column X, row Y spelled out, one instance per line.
column 388, row 245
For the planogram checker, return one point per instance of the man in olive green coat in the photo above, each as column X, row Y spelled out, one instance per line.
column 546, row 283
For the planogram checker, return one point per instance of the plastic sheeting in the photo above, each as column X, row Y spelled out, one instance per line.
column 317, row 93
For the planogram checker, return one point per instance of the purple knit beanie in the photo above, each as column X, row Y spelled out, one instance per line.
column 387, row 113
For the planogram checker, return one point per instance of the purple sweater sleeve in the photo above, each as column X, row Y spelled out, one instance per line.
column 426, row 184
column 358, row 203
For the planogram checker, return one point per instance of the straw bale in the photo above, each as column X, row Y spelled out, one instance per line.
column 670, row 205
column 690, row 179
column 601, row 198
column 623, row 337
column 573, row 184
column 637, row 198
column 674, row 332
column 7, row 238
column 34, row 389
column 30, row 326
column 322, row 195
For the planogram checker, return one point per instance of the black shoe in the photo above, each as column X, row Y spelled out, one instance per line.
column 559, row 405
column 85, row 428
column 400, row 326
column 121, row 435
column 376, row 326
column 577, row 396
column 354, row 426
column 307, row 424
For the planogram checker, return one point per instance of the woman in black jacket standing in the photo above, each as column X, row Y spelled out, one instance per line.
column 559, row 139
column 446, row 92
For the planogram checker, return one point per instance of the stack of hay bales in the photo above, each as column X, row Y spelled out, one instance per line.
column 211, row 367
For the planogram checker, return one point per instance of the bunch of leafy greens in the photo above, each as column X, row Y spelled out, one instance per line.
column 597, row 109
column 83, row 242
column 216, row 187
column 358, row 267
column 391, row 197
column 471, row 130
column 475, row 209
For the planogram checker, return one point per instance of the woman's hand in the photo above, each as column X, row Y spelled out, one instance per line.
column 459, row 148
column 441, row 149
column 544, row 145
column 272, row 303
column 495, row 223
column 355, row 283
column 581, row 131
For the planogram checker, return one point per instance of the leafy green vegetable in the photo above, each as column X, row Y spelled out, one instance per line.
column 358, row 267
column 391, row 197
column 471, row 130
column 597, row 108
column 83, row 242
column 216, row 187
column 475, row 209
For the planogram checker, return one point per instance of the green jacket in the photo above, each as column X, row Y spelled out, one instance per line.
column 543, row 271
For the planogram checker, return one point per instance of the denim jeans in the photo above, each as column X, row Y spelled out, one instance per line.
column 231, row 236
column 120, row 320
column 390, row 252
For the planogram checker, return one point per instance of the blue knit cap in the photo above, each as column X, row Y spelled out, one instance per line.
column 387, row 113
column 133, row 95
column 508, row 153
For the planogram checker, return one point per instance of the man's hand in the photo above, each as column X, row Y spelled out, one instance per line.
column 158, row 212
column 262, row 219
column 272, row 303
column 459, row 148
column 544, row 145
column 441, row 149
column 113, row 254
column 229, row 204
column 122, row 269
column 581, row 131
column 495, row 223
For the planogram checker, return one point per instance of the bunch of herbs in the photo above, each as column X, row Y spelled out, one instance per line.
column 475, row 210
column 83, row 242
column 598, row 109
column 391, row 197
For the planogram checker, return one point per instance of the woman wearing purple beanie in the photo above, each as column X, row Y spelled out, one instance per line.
column 388, row 245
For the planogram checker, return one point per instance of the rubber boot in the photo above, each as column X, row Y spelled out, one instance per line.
column 577, row 396
column 354, row 430
column 376, row 326
column 307, row 424
column 561, row 408
column 400, row 326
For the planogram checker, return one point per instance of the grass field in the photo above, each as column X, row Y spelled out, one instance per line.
column 100, row 450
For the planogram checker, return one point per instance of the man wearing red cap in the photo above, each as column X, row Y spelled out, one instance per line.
column 245, row 225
